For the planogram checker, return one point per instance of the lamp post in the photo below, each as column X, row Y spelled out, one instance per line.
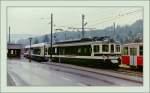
column 51, row 37
column 30, row 39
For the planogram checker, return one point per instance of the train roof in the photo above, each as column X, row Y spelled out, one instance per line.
column 74, row 41
column 141, row 43
column 83, row 41
column 14, row 46
column 36, row 45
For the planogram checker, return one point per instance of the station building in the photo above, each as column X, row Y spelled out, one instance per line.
column 14, row 50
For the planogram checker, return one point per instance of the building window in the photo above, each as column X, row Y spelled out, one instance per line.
column 11, row 51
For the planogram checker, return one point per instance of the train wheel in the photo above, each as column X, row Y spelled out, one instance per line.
column 108, row 63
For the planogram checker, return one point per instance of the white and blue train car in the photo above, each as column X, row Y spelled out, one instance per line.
column 79, row 52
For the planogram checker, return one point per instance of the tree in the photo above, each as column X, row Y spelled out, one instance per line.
column 46, row 39
column 36, row 41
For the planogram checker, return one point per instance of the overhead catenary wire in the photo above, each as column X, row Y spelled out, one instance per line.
column 101, row 21
column 115, row 17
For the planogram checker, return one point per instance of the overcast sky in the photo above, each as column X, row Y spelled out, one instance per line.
column 29, row 20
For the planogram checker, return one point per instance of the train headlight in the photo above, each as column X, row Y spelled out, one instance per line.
column 114, row 61
column 107, row 57
column 104, row 57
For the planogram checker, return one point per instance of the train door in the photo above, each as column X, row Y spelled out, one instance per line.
column 125, row 56
column 140, row 56
column 133, row 55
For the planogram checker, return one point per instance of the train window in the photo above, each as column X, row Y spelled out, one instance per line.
column 87, row 50
column 45, row 51
column 96, row 48
column 55, row 50
column 141, row 50
column 63, row 51
column 117, row 48
column 105, row 48
column 36, row 51
column 125, row 51
column 112, row 48
column 133, row 51
column 79, row 50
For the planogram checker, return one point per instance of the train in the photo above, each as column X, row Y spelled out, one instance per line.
column 89, row 52
column 100, row 52
column 132, row 55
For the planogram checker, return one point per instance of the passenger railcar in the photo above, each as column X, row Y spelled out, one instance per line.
column 79, row 52
column 38, row 52
column 132, row 55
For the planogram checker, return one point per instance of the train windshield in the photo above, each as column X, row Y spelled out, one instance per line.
column 112, row 48
column 105, row 48
column 36, row 51
column 117, row 48
column 133, row 51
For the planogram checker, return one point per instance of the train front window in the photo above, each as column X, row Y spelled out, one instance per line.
column 117, row 48
column 133, row 51
column 36, row 51
column 125, row 51
column 105, row 48
column 96, row 48
column 141, row 50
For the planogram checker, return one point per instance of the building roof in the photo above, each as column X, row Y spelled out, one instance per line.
column 14, row 46
column 36, row 45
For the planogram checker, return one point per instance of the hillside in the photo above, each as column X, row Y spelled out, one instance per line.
column 124, row 34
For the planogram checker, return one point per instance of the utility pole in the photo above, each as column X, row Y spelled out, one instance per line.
column 9, row 35
column 30, row 39
column 83, row 17
column 51, row 36
column 114, row 30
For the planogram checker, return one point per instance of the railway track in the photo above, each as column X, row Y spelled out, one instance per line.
column 129, row 72
column 120, row 73
column 113, row 77
column 121, row 70
column 123, row 74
